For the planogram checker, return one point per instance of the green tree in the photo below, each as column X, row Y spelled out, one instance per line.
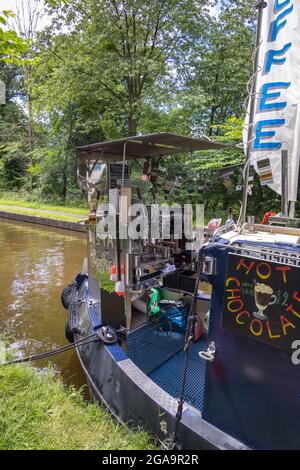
column 25, row 22
column 13, row 136
column 106, row 70
column 11, row 45
column 123, row 49
column 13, row 120
column 222, row 65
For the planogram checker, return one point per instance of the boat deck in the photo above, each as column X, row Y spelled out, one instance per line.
column 169, row 375
column 160, row 355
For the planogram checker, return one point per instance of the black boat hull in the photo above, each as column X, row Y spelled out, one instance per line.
column 135, row 400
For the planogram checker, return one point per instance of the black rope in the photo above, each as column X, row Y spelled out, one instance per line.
column 189, row 338
column 53, row 352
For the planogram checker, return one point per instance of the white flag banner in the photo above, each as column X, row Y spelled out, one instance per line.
column 277, row 97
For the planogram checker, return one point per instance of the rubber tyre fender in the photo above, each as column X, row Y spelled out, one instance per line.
column 65, row 295
column 69, row 333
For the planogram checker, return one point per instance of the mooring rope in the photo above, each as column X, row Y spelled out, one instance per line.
column 189, row 337
column 53, row 352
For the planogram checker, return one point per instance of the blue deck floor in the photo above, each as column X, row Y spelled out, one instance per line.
column 169, row 375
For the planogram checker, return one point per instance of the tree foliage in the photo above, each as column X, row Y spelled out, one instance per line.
column 11, row 44
column 13, row 160
column 106, row 69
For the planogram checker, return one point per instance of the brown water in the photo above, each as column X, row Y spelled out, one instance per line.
column 35, row 265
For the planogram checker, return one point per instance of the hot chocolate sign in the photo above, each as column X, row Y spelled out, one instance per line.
column 262, row 301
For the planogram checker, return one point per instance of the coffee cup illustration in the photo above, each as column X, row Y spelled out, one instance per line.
column 263, row 296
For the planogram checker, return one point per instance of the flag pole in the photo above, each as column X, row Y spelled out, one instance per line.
column 260, row 5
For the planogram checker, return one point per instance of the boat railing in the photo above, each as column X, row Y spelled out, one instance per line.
column 267, row 253
column 277, row 229
column 222, row 230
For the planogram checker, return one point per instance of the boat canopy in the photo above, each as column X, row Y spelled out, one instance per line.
column 143, row 146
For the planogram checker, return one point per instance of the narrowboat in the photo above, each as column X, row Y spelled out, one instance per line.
column 192, row 334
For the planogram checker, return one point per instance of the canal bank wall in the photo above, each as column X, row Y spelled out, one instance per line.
column 31, row 219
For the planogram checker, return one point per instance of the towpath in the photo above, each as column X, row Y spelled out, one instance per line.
column 39, row 212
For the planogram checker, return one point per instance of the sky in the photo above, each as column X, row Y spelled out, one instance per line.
column 12, row 5
column 8, row 4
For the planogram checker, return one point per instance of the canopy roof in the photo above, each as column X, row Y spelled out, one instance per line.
column 141, row 146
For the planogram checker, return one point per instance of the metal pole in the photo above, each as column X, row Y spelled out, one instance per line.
column 260, row 5
column 292, row 209
column 284, row 184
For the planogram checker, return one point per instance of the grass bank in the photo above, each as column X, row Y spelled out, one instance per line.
column 39, row 213
column 38, row 412
column 30, row 200
column 16, row 205
column 40, row 206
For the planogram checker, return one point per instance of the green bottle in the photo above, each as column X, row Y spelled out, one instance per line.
column 154, row 298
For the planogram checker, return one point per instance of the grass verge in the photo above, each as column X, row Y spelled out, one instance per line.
column 38, row 412
column 37, row 205
column 40, row 213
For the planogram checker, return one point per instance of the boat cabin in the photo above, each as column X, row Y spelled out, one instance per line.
column 123, row 177
column 238, row 375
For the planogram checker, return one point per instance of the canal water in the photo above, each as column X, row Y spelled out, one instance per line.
column 36, row 264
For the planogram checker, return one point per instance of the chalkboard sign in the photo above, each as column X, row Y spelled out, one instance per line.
column 262, row 301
